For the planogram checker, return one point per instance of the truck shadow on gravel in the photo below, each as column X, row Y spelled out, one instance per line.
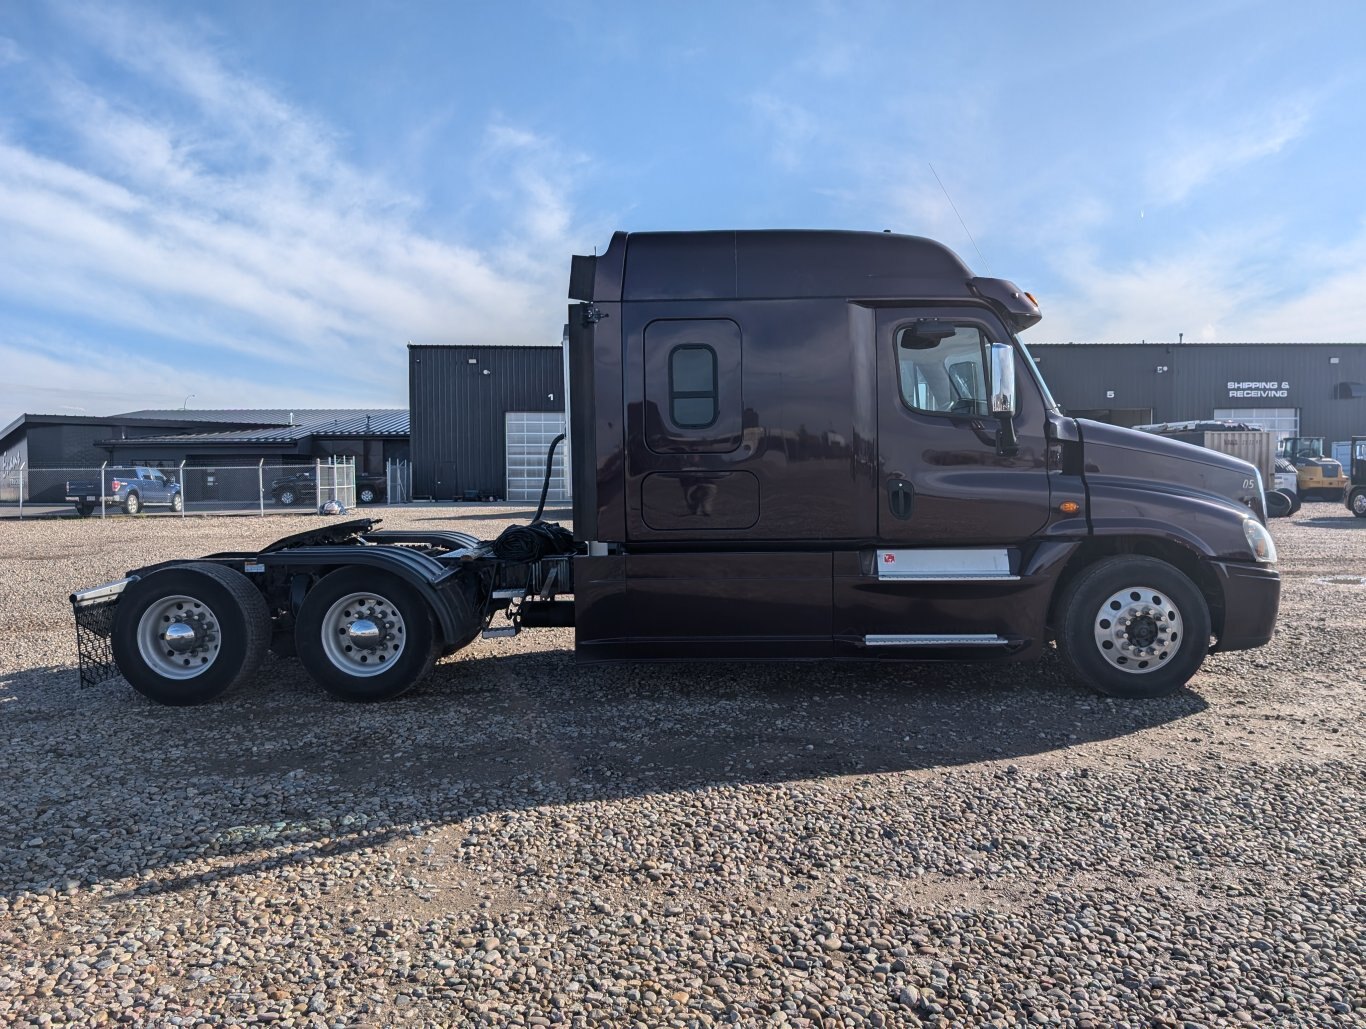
column 279, row 774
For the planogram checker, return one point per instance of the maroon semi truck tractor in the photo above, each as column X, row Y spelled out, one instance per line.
column 785, row 445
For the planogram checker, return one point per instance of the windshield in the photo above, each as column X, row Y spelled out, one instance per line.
column 1309, row 448
column 1048, row 400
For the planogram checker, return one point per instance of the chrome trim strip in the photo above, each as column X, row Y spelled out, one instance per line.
column 945, row 565
column 984, row 639
column 102, row 592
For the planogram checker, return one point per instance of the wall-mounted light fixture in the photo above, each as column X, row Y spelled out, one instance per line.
column 1161, row 368
column 1334, row 360
column 473, row 361
column 487, row 372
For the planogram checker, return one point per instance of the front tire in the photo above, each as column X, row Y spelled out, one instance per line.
column 185, row 635
column 286, row 497
column 366, row 495
column 177, row 502
column 365, row 635
column 1133, row 626
column 1357, row 503
column 132, row 504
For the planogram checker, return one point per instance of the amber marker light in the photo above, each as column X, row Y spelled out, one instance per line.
column 1069, row 507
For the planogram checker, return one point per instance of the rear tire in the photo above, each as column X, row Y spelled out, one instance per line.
column 1133, row 626
column 132, row 504
column 365, row 635
column 187, row 634
column 83, row 510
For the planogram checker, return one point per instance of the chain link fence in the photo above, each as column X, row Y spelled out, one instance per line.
column 183, row 490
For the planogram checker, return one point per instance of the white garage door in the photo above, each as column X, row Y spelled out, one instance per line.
column 1283, row 421
column 529, row 434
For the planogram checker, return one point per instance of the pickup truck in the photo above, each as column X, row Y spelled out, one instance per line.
column 301, row 489
column 785, row 446
column 130, row 488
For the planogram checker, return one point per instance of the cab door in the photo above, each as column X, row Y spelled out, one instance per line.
column 945, row 478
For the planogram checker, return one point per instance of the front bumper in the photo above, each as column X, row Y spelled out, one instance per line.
column 1252, row 596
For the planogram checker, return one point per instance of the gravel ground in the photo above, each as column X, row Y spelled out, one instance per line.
column 521, row 842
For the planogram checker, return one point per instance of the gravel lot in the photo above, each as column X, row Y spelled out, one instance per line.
column 522, row 842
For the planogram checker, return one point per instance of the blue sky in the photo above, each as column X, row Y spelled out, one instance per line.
column 259, row 203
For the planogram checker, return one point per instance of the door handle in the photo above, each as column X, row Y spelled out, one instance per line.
column 900, row 498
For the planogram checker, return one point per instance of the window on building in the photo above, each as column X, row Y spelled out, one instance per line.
column 1283, row 421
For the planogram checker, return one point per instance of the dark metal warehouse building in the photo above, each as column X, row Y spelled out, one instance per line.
column 482, row 419
column 1295, row 389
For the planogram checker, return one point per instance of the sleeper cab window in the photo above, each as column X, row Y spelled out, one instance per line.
column 693, row 401
column 693, row 386
column 942, row 368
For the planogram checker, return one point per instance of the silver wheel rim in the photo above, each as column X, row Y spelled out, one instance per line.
column 367, row 495
column 363, row 634
column 133, row 505
column 179, row 637
column 1138, row 630
column 1359, row 504
column 287, row 497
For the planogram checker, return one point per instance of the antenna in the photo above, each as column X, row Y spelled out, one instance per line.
column 985, row 263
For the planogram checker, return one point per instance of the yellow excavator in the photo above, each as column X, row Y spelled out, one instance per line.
column 1317, row 476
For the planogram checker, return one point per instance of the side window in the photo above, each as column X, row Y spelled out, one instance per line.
column 693, row 401
column 943, row 374
column 692, row 386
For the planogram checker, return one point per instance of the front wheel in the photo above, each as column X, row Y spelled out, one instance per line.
column 366, row 495
column 177, row 502
column 365, row 635
column 286, row 497
column 1358, row 503
column 1133, row 626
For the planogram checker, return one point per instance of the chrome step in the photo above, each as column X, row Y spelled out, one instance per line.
column 935, row 640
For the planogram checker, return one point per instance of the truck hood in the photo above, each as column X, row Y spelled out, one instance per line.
column 1169, row 465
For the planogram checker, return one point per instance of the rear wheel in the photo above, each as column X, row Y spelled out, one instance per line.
column 1133, row 627
column 1358, row 503
column 184, row 635
column 132, row 504
column 83, row 510
column 365, row 635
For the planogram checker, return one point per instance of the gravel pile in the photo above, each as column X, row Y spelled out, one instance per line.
column 521, row 842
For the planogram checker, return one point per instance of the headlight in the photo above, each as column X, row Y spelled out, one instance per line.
column 1263, row 547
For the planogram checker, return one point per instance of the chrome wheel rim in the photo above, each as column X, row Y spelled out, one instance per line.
column 133, row 505
column 1138, row 630
column 363, row 634
column 1359, row 504
column 179, row 637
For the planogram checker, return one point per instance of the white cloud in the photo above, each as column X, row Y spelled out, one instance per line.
column 219, row 217
column 1197, row 157
column 791, row 127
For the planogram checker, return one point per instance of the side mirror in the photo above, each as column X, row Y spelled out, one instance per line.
column 1002, row 380
column 1002, row 401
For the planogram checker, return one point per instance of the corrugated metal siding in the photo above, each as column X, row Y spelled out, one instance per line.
column 456, row 412
column 1197, row 375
